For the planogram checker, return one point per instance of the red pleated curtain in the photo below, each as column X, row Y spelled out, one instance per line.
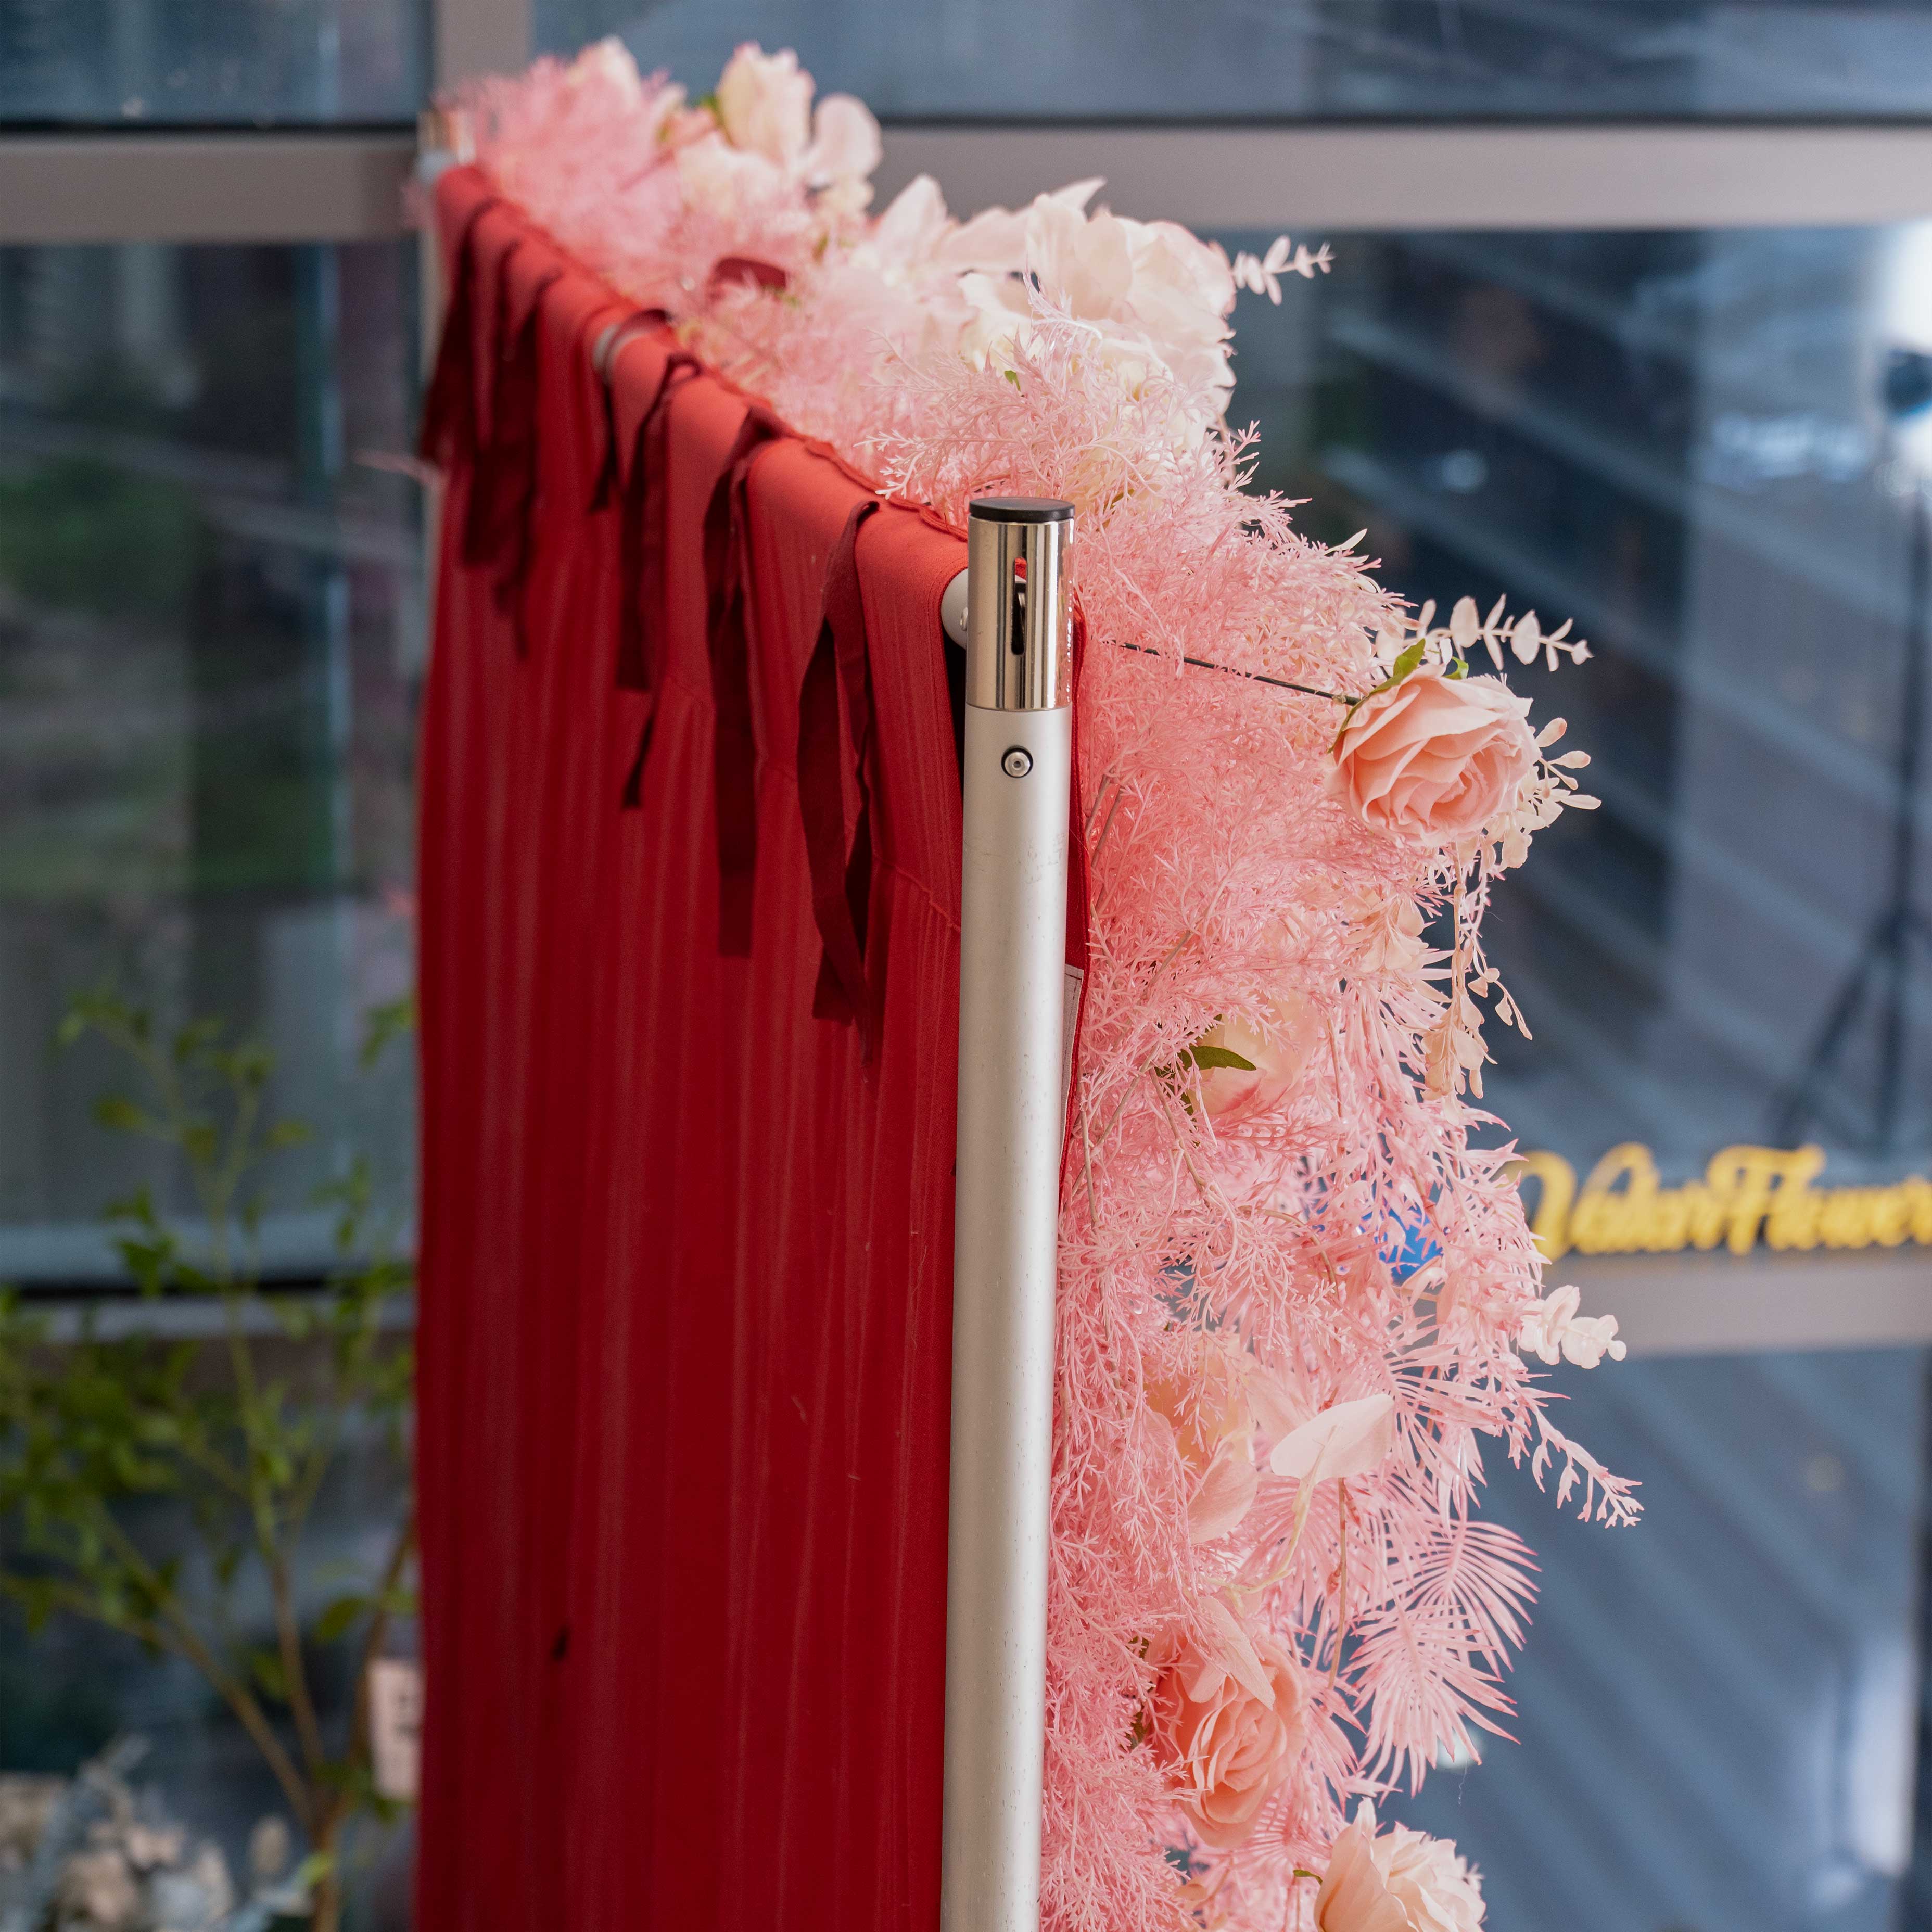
column 687, row 1140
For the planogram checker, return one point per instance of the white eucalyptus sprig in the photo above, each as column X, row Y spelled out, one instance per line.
column 1262, row 273
column 1524, row 637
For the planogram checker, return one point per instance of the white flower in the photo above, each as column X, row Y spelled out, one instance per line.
column 845, row 148
column 1553, row 1329
column 905, row 241
column 727, row 181
column 1156, row 297
column 608, row 64
column 764, row 105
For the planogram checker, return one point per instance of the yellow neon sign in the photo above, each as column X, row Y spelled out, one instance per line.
column 1747, row 1193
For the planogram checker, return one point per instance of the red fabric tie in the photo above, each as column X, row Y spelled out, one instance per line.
column 482, row 526
column 841, row 885
column 641, row 558
column 735, row 751
column 503, row 499
column 448, row 437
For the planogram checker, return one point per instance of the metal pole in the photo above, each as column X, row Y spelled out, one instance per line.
column 1012, row 958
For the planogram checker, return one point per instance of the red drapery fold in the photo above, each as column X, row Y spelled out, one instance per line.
column 686, row 1250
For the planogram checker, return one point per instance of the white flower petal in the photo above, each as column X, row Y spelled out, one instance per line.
column 1347, row 1438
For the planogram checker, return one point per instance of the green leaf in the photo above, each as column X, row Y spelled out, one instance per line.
column 1013, row 376
column 314, row 1869
column 1406, row 662
column 266, row 1667
column 336, row 1618
column 384, row 1023
column 195, row 1038
column 119, row 1114
column 138, row 1207
column 289, row 1133
column 1204, row 1056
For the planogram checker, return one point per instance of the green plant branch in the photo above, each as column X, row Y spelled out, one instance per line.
column 374, row 1637
column 105, row 1422
column 188, row 1643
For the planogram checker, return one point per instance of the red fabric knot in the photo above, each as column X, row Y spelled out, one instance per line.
column 745, row 271
column 610, row 468
column 837, row 679
column 734, row 768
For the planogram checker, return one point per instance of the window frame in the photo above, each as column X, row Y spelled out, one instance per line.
column 322, row 184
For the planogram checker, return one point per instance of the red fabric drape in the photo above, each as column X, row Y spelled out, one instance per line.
column 686, row 1251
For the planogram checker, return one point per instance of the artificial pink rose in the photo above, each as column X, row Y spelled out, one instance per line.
column 1434, row 758
column 1396, row 1881
column 1225, row 1747
column 1353, row 1897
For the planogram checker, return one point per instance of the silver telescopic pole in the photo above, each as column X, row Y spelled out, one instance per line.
column 1012, row 958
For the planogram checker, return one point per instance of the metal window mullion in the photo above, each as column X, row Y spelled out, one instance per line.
column 324, row 185
column 473, row 37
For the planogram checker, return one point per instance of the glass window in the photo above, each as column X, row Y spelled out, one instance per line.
column 1718, row 1717
column 1707, row 450
column 211, row 637
column 128, row 62
column 1294, row 59
column 1710, row 450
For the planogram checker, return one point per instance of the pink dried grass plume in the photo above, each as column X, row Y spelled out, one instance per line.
column 1223, row 1271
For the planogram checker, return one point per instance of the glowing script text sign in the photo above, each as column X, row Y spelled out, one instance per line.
column 1747, row 1194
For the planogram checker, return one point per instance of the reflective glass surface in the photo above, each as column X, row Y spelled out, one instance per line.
column 134, row 62
column 1709, row 451
column 211, row 636
column 1719, row 1721
column 1296, row 59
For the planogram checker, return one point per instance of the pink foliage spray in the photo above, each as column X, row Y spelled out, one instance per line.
column 1234, row 897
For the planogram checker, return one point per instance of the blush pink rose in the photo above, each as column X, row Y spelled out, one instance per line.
column 1396, row 1881
column 1434, row 758
column 1354, row 1896
column 1226, row 1749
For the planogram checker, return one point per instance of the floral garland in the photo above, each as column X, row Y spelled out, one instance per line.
column 1293, row 1299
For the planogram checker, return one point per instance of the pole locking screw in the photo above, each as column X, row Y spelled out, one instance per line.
column 1017, row 763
